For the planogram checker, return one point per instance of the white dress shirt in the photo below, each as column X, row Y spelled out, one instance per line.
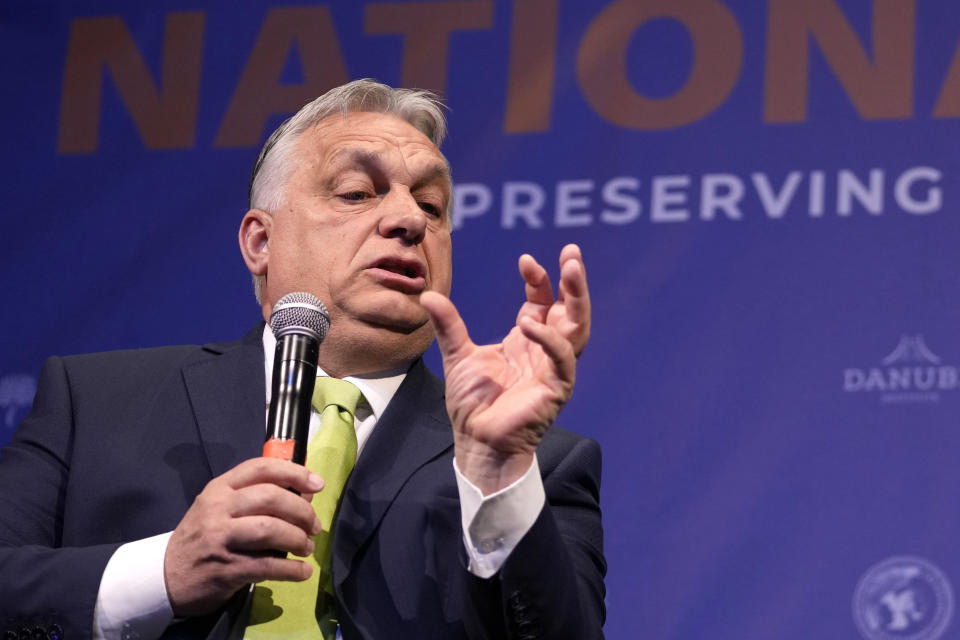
column 132, row 599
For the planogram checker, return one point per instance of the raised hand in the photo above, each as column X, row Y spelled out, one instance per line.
column 229, row 536
column 502, row 397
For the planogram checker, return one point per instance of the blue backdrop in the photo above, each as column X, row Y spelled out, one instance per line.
column 765, row 193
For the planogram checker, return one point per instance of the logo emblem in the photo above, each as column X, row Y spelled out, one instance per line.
column 16, row 396
column 912, row 372
column 903, row 598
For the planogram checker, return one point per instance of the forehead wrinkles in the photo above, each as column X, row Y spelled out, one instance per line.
column 374, row 135
column 414, row 163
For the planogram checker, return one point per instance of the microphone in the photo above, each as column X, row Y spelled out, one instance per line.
column 300, row 323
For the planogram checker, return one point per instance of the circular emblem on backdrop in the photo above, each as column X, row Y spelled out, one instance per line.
column 903, row 598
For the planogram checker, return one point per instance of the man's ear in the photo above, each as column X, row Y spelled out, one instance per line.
column 254, row 237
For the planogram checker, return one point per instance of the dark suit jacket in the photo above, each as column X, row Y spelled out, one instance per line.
column 118, row 445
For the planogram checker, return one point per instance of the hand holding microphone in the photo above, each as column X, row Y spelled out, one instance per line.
column 244, row 522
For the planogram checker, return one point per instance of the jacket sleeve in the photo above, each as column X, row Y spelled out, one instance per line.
column 551, row 586
column 44, row 586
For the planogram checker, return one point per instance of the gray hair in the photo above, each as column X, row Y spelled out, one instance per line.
column 421, row 108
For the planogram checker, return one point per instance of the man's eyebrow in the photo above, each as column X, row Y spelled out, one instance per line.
column 433, row 172
column 355, row 157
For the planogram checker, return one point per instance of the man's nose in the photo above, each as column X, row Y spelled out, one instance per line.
column 403, row 218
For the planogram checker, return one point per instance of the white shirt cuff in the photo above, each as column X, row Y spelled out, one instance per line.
column 494, row 525
column 132, row 601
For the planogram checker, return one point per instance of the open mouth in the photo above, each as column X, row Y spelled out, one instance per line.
column 409, row 272
column 406, row 268
column 407, row 276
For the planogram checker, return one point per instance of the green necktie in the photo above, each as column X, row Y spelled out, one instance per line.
column 305, row 609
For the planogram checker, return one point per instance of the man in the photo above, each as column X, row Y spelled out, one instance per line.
column 149, row 513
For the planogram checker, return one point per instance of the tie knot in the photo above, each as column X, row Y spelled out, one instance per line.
column 334, row 391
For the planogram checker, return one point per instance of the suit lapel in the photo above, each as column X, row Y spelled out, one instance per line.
column 413, row 430
column 227, row 391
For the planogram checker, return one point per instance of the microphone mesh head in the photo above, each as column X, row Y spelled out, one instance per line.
column 300, row 312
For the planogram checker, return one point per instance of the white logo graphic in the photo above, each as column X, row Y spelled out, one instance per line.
column 903, row 598
column 16, row 394
column 910, row 373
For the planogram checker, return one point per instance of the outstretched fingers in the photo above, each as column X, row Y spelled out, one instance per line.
column 538, row 289
column 575, row 295
column 557, row 348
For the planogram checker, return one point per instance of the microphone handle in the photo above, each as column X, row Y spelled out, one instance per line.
column 294, row 377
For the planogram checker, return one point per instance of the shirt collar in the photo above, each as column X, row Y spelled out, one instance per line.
column 377, row 388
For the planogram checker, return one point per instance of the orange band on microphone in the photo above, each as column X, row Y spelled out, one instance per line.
column 277, row 448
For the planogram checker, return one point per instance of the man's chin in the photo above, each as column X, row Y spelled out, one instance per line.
column 375, row 332
column 395, row 327
column 393, row 311
column 396, row 322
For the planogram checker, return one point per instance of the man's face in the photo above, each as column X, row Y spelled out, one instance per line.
column 364, row 227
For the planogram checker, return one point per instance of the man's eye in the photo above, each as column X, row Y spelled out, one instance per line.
column 430, row 209
column 354, row 196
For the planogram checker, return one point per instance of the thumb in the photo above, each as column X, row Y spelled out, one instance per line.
column 452, row 336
